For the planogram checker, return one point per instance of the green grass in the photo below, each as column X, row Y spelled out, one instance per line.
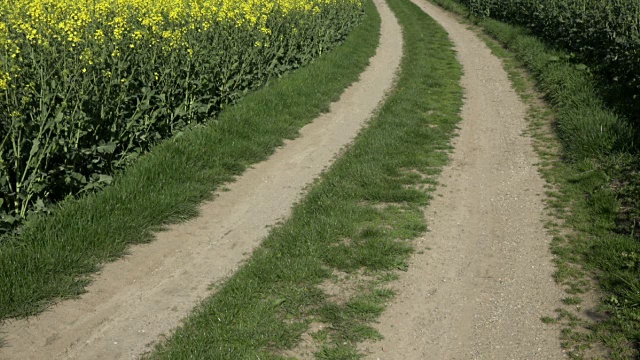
column 54, row 256
column 353, row 229
column 594, row 190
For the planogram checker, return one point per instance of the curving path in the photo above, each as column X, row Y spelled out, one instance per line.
column 134, row 301
column 485, row 278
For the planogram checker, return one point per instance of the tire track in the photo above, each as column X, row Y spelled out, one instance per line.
column 485, row 279
column 137, row 299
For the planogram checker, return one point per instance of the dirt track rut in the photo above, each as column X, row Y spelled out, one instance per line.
column 133, row 301
column 485, row 277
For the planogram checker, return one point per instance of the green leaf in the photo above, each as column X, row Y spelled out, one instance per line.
column 279, row 302
column 39, row 205
column 78, row 177
column 105, row 179
column 8, row 218
column 106, row 148
column 35, row 146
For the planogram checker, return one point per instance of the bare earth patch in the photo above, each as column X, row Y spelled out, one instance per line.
column 307, row 346
column 342, row 286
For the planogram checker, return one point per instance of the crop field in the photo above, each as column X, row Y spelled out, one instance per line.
column 86, row 86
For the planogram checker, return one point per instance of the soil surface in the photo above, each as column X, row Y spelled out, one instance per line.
column 134, row 301
column 485, row 278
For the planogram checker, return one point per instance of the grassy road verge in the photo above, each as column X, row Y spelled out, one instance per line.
column 53, row 256
column 591, row 161
column 352, row 232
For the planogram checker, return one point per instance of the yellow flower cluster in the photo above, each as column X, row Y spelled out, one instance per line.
column 78, row 25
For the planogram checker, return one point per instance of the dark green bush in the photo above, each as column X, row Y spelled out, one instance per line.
column 603, row 34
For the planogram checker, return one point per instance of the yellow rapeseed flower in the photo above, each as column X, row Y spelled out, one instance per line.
column 84, row 27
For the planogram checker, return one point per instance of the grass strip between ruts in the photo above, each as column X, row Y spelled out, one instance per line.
column 586, row 196
column 355, row 226
column 54, row 254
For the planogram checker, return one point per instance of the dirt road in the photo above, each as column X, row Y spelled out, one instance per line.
column 137, row 299
column 484, row 280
